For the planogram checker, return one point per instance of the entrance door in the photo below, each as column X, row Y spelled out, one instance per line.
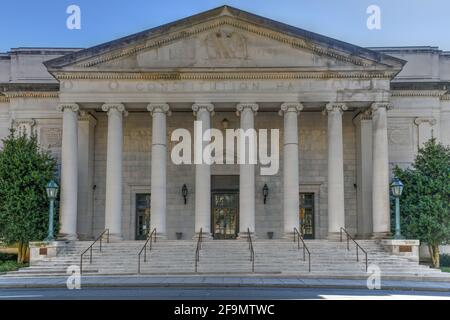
column 225, row 206
column 142, row 215
column 225, row 215
column 307, row 215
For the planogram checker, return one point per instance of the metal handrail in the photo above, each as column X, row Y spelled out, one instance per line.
column 100, row 238
column 250, row 247
column 349, row 237
column 305, row 248
column 144, row 248
column 199, row 247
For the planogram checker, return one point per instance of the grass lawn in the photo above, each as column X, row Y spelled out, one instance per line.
column 445, row 269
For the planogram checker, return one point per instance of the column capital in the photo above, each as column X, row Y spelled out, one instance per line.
column 290, row 107
column 73, row 106
column 196, row 107
column 335, row 107
column 242, row 106
column 107, row 107
column 377, row 105
column 419, row 120
column 158, row 108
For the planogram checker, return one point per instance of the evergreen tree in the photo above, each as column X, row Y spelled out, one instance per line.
column 25, row 171
column 425, row 202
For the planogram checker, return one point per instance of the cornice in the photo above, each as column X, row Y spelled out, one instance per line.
column 418, row 93
column 245, row 25
column 31, row 94
column 220, row 75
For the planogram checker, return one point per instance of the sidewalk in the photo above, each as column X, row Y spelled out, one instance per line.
column 218, row 281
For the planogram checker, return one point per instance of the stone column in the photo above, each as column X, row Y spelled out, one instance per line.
column 203, row 112
column 363, row 126
column 159, row 113
column 247, row 112
column 290, row 167
column 69, row 172
column 380, row 178
column 425, row 127
column 336, row 211
column 86, row 131
column 113, row 199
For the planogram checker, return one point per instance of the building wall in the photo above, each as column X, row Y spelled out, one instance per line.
column 181, row 217
column 416, row 116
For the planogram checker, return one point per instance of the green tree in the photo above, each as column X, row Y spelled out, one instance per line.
column 24, row 172
column 425, row 202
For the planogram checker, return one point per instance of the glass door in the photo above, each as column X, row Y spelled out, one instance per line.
column 225, row 215
column 307, row 215
column 143, row 214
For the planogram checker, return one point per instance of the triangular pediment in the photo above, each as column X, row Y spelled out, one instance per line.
column 224, row 38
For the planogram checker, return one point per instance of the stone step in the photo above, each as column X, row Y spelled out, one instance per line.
column 329, row 258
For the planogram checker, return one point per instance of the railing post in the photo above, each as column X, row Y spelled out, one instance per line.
column 81, row 265
column 101, row 243
column 90, row 256
column 107, row 236
column 357, row 255
column 309, row 262
column 139, row 264
column 366, row 263
column 348, row 243
column 145, row 253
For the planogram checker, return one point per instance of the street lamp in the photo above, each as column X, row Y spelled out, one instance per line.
column 397, row 189
column 52, row 191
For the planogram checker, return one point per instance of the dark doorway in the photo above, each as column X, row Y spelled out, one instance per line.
column 143, row 215
column 225, row 206
column 306, row 213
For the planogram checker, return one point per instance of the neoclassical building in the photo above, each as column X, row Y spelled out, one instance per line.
column 346, row 115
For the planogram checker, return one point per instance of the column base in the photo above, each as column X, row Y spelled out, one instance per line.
column 244, row 236
column 161, row 236
column 335, row 236
column 381, row 235
column 113, row 237
column 205, row 236
column 66, row 237
column 290, row 235
column 363, row 236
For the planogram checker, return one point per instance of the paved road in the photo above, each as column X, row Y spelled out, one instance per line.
column 183, row 293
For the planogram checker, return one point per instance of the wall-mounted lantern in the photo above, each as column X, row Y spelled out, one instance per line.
column 225, row 123
column 265, row 192
column 184, row 192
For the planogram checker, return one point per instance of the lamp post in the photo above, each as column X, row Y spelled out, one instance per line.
column 52, row 191
column 397, row 189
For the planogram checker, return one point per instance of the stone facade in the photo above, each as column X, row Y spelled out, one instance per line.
column 226, row 58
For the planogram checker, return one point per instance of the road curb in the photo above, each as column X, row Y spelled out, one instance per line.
column 62, row 285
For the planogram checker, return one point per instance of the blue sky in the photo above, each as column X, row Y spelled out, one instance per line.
column 42, row 23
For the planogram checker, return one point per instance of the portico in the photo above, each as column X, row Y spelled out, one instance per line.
column 254, row 74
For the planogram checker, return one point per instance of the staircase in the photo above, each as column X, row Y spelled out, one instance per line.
column 328, row 259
